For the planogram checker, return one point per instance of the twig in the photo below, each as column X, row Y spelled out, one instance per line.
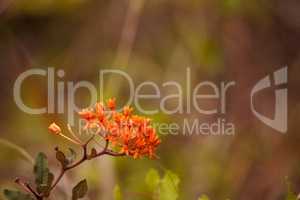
column 85, row 157
column 64, row 169
column 28, row 188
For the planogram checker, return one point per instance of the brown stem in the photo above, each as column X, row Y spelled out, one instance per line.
column 64, row 169
column 28, row 188
column 85, row 157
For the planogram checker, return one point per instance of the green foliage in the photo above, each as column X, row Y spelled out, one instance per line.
column 290, row 194
column 60, row 156
column 117, row 193
column 16, row 195
column 80, row 190
column 165, row 188
column 43, row 177
column 169, row 186
column 152, row 179
column 66, row 159
column 203, row 197
column 50, row 181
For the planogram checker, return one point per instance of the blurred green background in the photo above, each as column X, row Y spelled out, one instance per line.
column 220, row 40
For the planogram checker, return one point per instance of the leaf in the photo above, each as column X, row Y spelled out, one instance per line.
column 152, row 179
column 16, row 195
column 290, row 194
column 203, row 197
column 93, row 153
column 80, row 190
column 50, row 178
column 50, row 181
column 60, row 156
column 117, row 193
column 169, row 186
column 41, row 172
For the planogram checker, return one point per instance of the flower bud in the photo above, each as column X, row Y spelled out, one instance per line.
column 54, row 128
column 111, row 103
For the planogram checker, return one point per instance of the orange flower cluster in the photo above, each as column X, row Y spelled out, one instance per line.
column 131, row 134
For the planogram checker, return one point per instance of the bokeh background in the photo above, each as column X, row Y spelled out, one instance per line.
column 156, row 40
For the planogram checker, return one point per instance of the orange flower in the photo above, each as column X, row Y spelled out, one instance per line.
column 99, row 109
column 87, row 114
column 111, row 103
column 131, row 134
column 99, row 112
column 54, row 128
column 127, row 110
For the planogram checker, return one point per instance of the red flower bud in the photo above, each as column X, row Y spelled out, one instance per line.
column 54, row 128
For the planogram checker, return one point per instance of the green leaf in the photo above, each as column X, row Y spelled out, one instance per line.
column 16, row 195
column 50, row 181
column 80, row 190
column 290, row 194
column 169, row 186
column 60, row 156
column 152, row 179
column 117, row 193
column 203, row 197
column 41, row 172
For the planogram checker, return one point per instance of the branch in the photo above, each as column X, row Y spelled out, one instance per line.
column 85, row 157
column 28, row 188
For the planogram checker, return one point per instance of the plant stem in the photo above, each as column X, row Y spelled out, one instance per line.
column 28, row 188
column 64, row 169
column 85, row 157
